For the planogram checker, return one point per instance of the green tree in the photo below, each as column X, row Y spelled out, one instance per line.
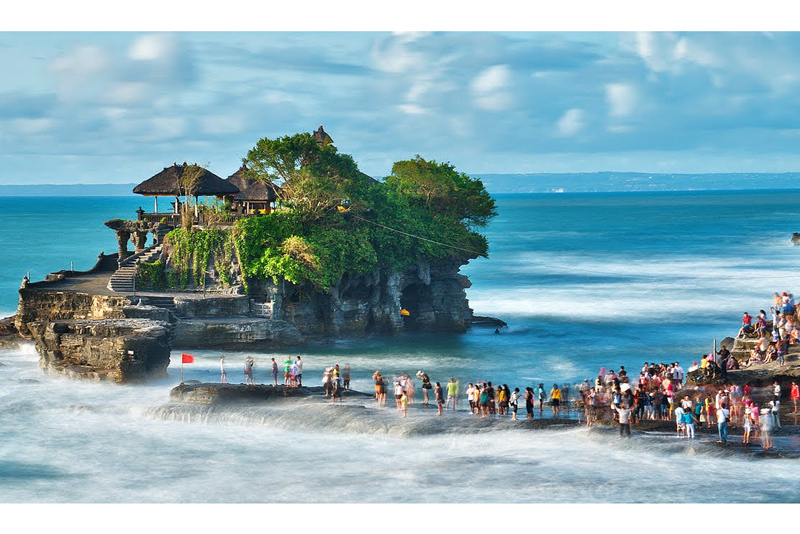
column 441, row 189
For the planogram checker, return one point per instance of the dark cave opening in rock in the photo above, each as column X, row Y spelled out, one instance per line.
column 412, row 299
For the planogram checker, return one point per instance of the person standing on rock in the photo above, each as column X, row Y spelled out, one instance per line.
column 299, row 363
column 624, row 412
column 794, row 394
column 540, row 394
column 287, row 369
column 248, row 370
column 722, row 424
column 438, row 392
column 223, row 375
column 426, row 385
column 452, row 393
column 274, row 372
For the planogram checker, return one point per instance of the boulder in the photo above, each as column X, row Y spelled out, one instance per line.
column 121, row 350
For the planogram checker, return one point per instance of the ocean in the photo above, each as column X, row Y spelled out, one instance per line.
column 584, row 280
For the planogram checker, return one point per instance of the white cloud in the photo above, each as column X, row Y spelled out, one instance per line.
column 622, row 99
column 153, row 47
column 411, row 109
column 570, row 123
column 395, row 54
column 82, row 61
column 127, row 93
column 490, row 88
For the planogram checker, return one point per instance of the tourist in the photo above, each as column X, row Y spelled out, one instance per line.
column 624, row 421
column 680, row 421
column 512, row 402
column 555, row 398
column 299, row 371
column 529, row 402
column 287, row 369
column 327, row 381
column 688, row 419
column 794, row 394
column 293, row 372
column 274, row 372
column 452, row 392
column 223, row 375
column 502, row 401
column 491, row 393
column 470, row 392
column 775, row 405
column 484, row 400
column 767, row 423
column 439, row 397
column 337, row 375
column 408, row 387
column 398, row 393
column 404, row 403
column 426, row 385
column 540, row 394
column 746, row 321
column 336, row 391
column 722, row 424
column 747, row 424
column 378, row 379
column 248, row 370
column 756, row 418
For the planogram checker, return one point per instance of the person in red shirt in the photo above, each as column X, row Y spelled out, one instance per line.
column 794, row 394
column 746, row 320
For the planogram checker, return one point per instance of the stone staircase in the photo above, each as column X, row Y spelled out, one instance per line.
column 168, row 303
column 124, row 278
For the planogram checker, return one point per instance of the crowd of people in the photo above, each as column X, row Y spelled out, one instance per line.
column 657, row 394
column 775, row 336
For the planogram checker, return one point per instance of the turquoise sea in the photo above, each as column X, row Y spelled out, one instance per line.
column 583, row 280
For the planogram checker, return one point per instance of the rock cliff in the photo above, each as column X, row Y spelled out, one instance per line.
column 122, row 350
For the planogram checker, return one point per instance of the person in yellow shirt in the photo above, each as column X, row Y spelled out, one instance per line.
column 555, row 399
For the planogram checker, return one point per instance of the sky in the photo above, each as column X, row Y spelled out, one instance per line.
column 118, row 106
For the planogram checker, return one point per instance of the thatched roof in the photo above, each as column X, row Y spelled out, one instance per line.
column 167, row 183
column 252, row 190
column 322, row 138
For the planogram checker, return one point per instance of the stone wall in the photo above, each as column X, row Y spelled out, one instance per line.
column 212, row 307
column 242, row 333
column 46, row 305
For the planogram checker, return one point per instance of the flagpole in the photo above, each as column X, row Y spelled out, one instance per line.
column 181, row 369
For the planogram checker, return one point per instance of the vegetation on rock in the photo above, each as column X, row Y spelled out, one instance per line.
column 333, row 219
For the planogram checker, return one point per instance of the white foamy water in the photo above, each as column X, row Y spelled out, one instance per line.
column 95, row 442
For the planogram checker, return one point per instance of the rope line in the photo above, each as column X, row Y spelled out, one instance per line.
column 419, row 237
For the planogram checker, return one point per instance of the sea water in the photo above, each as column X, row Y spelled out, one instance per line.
column 583, row 280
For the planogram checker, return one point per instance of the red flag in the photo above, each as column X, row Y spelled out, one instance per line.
column 187, row 358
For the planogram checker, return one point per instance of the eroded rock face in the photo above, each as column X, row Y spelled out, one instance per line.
column 121, row 350
column 241, row 333
column 434, row 296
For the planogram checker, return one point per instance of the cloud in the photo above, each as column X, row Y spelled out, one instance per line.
column 490, row 88
column 622, row 99
column 570, row 123
column 396, row 53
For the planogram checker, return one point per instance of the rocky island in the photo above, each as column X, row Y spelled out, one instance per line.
column 296, row 245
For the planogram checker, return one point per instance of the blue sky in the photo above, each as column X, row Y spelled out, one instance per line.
column 102, row 107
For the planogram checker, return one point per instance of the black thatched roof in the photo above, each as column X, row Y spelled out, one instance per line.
column 167, row 183
column 252, row 190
